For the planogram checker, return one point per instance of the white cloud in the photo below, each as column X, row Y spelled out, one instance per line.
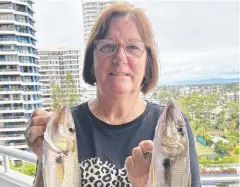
column 195, row 38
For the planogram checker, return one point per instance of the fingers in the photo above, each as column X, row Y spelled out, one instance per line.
column 138, row 160
column 129, row 163
column 40, row 112
column 138, row 165
column 39, row 120
column 37, row 148
column 38, row 117
column 37, row 125
column 34, row 132
column 137, row 155
column 146, row 146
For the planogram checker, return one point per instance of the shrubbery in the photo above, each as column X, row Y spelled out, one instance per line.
column 220, row 147
column 25, row 168
column 236, row 150
column 225, row 160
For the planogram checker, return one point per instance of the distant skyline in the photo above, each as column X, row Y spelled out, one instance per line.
column 196, row 39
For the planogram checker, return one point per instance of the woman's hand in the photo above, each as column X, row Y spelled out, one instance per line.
column 138, row 165
column 35, row 131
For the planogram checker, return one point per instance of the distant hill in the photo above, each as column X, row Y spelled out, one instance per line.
column 204, row 81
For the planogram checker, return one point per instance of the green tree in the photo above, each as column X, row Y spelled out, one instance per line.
column 57, row 95
column 72, row 95
column 221, row 120
column 68, row 96
column 234, row 113
column 183, row 105
column 162, row 95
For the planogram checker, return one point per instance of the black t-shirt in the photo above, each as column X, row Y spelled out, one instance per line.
column 103, row 148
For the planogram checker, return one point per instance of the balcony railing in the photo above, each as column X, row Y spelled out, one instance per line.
column 13, row 69
column 30, row 157
column 10, row 80
column 11, row 108
column 12, row 126
column 12, row 117
column 11, row 89
column 8, row 175
column 11, row 135
column 7, row 29
column 6, row 6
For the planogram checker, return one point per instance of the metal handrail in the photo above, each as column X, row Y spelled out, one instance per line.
column 23, row 155
column 12, row 126
column 30, row 157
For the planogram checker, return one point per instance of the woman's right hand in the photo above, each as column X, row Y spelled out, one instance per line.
column 35, row 131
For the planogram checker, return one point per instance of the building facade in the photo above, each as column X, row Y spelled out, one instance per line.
column 90, row 12
column 54, row 65
column 19, row 78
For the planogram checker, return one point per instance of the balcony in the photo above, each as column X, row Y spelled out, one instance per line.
column 29, row 74
column 11, row 101
column 5, row 6
column 13, row 119
column 11, row 128
column 30, row 83
column 10, row 178
column 7, row 137
column 7, row 28
column 7, row 81
column 17, row 145
column 11, row 109
column 13, row 88
column 8, row 52
column 32, row 102
column 11, row 91
column 10, row 71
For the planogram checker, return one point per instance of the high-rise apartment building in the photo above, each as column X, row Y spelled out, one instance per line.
column 90, row 11
column 19, row 77
column 54, row 65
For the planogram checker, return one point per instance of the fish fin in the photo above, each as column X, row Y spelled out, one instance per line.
column 59, row 169
column 167, row 174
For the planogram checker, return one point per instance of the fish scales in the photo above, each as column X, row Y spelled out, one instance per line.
column 170, row 164
column 60, row 156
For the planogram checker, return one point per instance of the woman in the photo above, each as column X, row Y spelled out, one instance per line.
column 115, row 129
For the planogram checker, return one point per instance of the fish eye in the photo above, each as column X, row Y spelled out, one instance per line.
column 71, row 130
column 180, row 130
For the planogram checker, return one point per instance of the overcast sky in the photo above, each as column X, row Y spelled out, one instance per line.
column 197, row 39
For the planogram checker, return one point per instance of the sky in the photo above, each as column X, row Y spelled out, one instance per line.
column 196, row 39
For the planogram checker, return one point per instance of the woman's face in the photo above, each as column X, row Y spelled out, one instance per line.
column 120, row 73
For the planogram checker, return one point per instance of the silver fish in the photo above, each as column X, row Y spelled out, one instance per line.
column 60, row 157
column 170, row 164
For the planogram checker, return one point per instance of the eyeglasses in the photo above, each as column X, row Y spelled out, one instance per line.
column 133, row 48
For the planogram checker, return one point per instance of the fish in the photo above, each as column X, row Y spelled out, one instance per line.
column 170, row 162
column 60, row 165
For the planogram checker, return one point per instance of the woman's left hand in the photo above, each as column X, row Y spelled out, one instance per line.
column 138, row 165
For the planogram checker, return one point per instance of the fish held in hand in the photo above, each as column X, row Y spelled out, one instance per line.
column 60, row 158
column 170, row 164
